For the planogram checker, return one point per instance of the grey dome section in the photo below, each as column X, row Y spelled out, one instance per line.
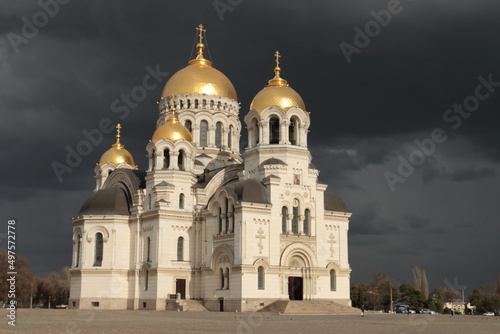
column 334, row 203
column 105, row 202
column 272, row 161
column 249, row 190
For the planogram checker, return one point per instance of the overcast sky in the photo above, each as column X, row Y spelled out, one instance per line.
column 370, row 97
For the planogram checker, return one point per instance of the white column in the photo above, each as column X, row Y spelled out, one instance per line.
column 195, row 128
column 301, row 224
column 264, row 132
column 174, row 160
column 284, row 132
column 289, row 223
column 211, row 136
column 158, row 160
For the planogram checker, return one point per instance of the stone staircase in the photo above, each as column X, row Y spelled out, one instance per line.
column 309, row 307
column 185, row 306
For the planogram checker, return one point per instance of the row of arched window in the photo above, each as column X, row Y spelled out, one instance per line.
column 226, row 218
column 166, row 160
column 275, row 132
column 297, row 225
column 203, row 104
column 203, row 135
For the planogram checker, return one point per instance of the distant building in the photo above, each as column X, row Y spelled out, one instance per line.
column 457, row 305
column 204, row 222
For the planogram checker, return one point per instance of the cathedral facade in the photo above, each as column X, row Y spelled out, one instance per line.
column 205, row 223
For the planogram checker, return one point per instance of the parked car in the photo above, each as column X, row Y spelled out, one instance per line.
column 427, row 311
column 489, row 313
column 399, row 310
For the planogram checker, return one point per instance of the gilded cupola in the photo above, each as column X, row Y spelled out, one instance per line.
column 199, row 77
column 117, row 154
column 277, row 93
column 172, row 129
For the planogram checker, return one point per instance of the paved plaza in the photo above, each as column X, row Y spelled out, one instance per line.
column 88, row 321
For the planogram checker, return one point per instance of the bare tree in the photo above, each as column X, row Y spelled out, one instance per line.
column 23, row 278
column 417, row 277
column 425, row 285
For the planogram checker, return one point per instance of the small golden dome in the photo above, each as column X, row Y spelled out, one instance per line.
column 172, row 129
column 199, row 77
column 117, row 154
column 277, row 93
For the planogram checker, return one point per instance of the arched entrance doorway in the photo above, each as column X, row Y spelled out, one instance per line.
column 295, row 288
column 295, row 280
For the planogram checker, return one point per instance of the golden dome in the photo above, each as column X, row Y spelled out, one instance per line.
column 277, row 93
column 199, row 77
column 117, row 154
column 172, row 129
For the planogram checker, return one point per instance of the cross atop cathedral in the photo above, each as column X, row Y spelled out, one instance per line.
column 278, row 56
column 201, row 31
column 118, row 128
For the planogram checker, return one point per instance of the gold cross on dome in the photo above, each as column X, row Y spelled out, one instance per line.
column 118, row 128
column 278, row 56
column 201, row 31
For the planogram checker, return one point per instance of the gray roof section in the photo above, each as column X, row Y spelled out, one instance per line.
column 107, row 201
column 334, row 203
column 249, row 190
column 273, row 161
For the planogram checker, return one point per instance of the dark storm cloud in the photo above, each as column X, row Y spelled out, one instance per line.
column 364, row 114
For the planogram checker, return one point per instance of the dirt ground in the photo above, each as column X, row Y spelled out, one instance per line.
column 89, row 321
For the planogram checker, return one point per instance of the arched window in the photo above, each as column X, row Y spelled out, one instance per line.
column 220, row 220
column 181, row 201
column 274, row 130
column 227, row 278
column 188, row 125
column 256, row 133
column 230, row 137
column 153, row 159
column 333, row 280
column 295, row 220
column 203, row 133
column 227, row 216
column 148, row 250
column 307, row 221
column 78, row 246
column 98, row 250
column 166, row 158
column 146, row 280
column 221, row 273
column 180, row 249
column 180, row 160
column 218, row 135
column 284, row 217
column 261, row 278
column 232, row 219
column 292, row 131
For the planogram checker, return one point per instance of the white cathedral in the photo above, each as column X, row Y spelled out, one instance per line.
column 204, row 223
